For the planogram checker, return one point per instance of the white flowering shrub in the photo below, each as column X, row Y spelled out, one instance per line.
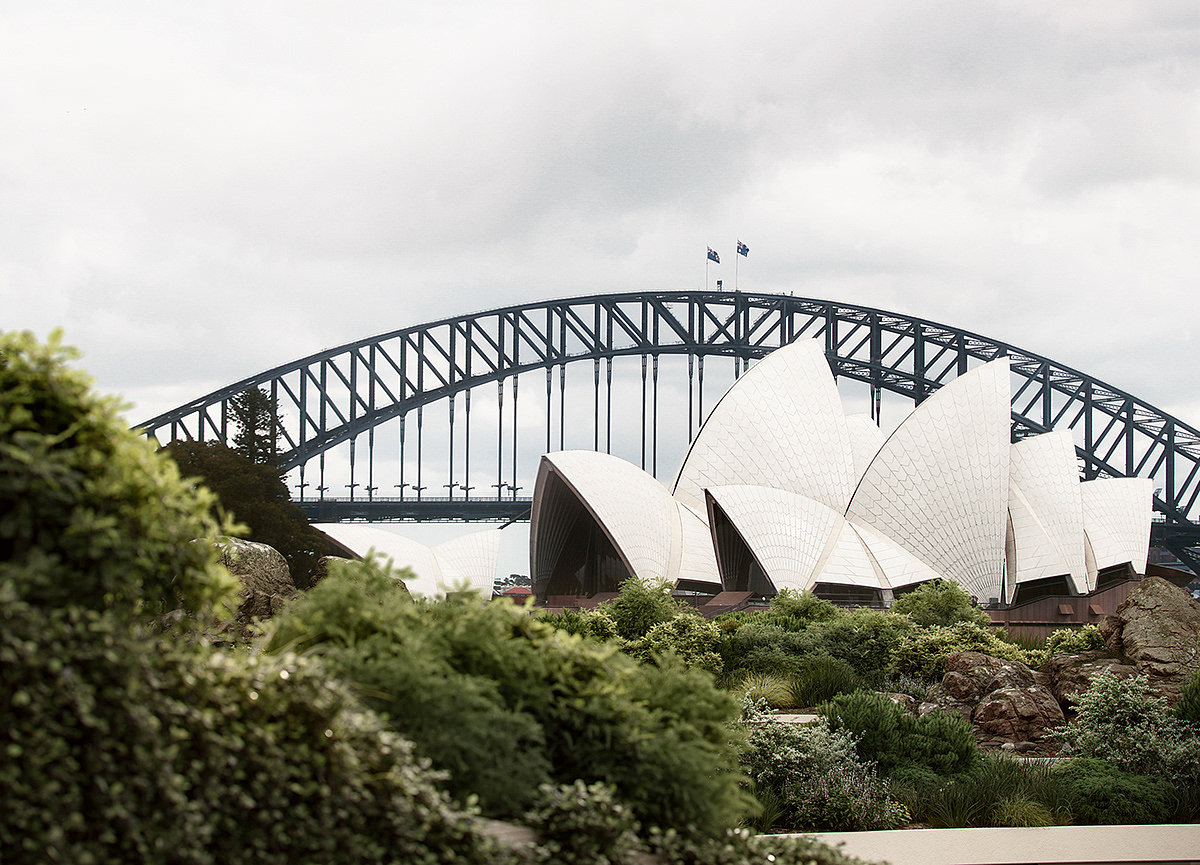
column 810, row 778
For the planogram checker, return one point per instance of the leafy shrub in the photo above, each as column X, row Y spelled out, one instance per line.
column 795, row 611
column 92, row 515
column 640, row 605
column 922, row 652
column 813, row 780
column 741, row 847
column 121, row 748
column 1072, row 641
column 579, row 709
column 891, row 737
column 688, row 636
column 1100, row 793
column 1188, row 708
column 583, row 824
column 822, row 678
column 865, row 639
column 1123, row 723
column 940, row 602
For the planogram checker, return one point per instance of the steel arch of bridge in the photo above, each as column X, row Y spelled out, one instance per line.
column 337, row 395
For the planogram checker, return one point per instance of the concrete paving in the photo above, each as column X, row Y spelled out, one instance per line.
column 1095, row 845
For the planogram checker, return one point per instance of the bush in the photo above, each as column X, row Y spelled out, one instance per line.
column 640, row 605
column 92, row 515
column 865, row 639
column 922, row 652
column 795, row 611
column 1100, row 793
column 940, row 602
column 1072, row 641
column 1121, row 722
column 1188, row 708
column 813, row 780
column 822, row 678
column 577, row 709
column 892, row 738
column 689, row 637
column 126, row 749
column 583, row 824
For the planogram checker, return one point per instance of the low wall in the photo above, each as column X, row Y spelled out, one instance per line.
column 1095, row 845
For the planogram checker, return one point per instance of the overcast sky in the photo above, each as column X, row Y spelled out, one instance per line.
column 199, row 191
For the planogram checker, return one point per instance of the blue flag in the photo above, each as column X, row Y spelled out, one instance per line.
column 743, row 249
column 712, row 255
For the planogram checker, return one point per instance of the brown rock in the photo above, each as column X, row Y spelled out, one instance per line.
column 1017, row 714
column 1068, row 676
column 263, row 572
column 904, row 701
column 1158, row 629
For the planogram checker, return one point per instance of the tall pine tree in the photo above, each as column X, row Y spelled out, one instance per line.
column 259, row 428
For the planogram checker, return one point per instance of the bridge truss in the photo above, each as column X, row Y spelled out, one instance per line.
column 364, row 410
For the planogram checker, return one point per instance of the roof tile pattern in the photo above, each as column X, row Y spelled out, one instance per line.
column 782, row 425
column 635, row 511
column 866, row 438
column 939, row 485
column 1046, row 507
column 1116, row 517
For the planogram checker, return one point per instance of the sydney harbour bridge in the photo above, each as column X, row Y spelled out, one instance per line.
column 447, row 420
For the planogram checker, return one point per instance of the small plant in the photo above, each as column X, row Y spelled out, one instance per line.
column 583, row 824
column 900, row 683
column 1072, row 641
column 775, row 691
column 1100, row 793
column 940, row 602
column 1189, row 700
column 822, row 678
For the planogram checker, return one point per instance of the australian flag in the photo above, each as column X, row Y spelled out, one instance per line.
column 712, row 255
column 743, row 249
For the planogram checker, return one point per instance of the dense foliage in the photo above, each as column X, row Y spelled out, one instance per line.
column 120, row 745
column 892, row 738
column 90, row 516
column 505, row 702
column 1099, row 792
column 1072, row 641
column 254, row 494
column 940, row 602
column 811, row 779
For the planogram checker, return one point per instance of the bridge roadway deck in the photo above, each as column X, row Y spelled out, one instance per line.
column 425, row 509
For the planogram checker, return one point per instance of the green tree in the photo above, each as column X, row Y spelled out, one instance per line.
column 940, row 602
column 256, row 496
column 256, row 414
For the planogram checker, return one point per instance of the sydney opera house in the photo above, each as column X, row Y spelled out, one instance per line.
column 781, row 489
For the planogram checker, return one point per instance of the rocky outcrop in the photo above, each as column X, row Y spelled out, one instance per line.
column 1068, row 676
column 1158, row 629
column 1002, row 700
column 263, row 572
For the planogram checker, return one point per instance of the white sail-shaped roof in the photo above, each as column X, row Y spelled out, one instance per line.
column 1046, row 509
column 697, row 560
column 866, row 438
column 402, row 552
column 781, row 425
column 799, row 542
column 1116, row 518
column 898, row 566
column 787, row 532
column 635, row 511
column 939, row 485
column 471, row 559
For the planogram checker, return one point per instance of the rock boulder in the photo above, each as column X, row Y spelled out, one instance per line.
column 1158, row 629
column 263, row 572
column 1068, row 676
